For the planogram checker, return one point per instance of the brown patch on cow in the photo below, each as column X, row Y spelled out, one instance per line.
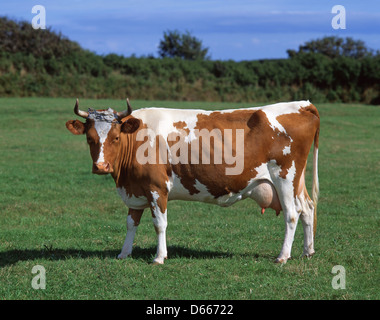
column 313, row 110
column 140, row 179
column 260, row 143
column 111, row 144
column 92, row 140
column 135, row 215
column 181, row 125
column 302, row 186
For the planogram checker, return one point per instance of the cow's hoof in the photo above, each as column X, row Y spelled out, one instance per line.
column 123, row 256
column 282, row 260
column 158, row 261
column 308, row 255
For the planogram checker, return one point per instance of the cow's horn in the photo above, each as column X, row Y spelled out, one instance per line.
column 78, row 112
column 125, row 113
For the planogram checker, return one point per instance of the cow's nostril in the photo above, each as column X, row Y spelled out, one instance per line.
column 102, row 167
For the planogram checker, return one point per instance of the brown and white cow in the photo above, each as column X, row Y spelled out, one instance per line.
column 157, row 154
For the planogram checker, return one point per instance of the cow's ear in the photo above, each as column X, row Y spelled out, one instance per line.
column 76, row 127
column 130, row 126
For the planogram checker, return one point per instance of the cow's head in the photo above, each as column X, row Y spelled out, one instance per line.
column 104, row 130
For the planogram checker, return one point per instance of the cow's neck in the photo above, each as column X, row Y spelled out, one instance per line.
column 123, row 166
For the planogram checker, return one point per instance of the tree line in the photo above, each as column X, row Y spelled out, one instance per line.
column 46, row 63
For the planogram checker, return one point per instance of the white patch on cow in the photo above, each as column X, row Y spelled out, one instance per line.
column 278, row 109
column 286, row 150
column 132, row 201
column 204, row 194
column 102, row 129
column 268, row 170
column 262, row 172
column 291, row 172
column 155, row 197
column 274, row 124
column 177, row 190
column 230, row 198
column 274, row 170
column 103, row 120
column 303, row 204
column 169, row 185
column 162, row 120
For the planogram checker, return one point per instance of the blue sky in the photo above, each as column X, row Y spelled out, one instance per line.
column 231, row 29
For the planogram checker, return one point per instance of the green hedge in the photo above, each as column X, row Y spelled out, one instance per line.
column 44, row 63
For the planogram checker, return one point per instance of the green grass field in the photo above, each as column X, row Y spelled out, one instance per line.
column 55, row 213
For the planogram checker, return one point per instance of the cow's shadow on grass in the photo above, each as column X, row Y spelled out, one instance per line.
column 11, row 257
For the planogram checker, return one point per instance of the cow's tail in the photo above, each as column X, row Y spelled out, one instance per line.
column 315, row 189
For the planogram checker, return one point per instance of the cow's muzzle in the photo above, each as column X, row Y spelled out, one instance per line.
column 102, row 168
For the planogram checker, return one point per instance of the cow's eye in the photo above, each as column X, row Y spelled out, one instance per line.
column 117, row 139
column 90, row 141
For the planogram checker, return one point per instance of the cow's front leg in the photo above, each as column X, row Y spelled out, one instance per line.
column 159, row 214
column 133, row 220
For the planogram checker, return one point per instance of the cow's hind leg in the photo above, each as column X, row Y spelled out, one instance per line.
column 285, row 192
column 133, row 220
column 305, row 207
column 291, row 220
